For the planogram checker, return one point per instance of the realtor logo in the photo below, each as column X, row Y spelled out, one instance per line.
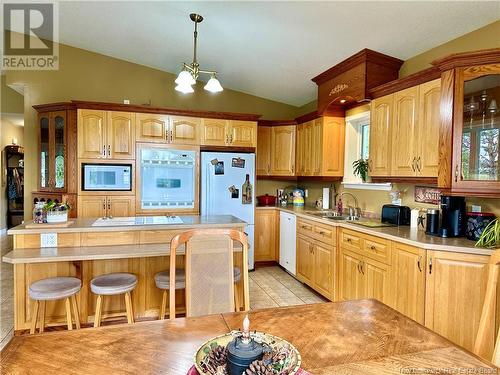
column 30, row 36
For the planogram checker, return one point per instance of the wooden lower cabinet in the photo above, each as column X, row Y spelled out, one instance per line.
column 455, row 290
column 316, row 264
column 351, row 282
column 266, row 235
column 106, row 206
column 377, row 279
column 408, row 280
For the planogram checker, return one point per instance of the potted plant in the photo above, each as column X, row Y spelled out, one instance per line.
column 490, row 237
column 361, row 168
column 57, row 212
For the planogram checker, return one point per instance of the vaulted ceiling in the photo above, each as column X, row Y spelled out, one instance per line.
column 268, row 49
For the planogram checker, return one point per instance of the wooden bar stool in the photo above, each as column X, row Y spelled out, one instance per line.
column 162, row 281
column 110, row 285
column 51, row 289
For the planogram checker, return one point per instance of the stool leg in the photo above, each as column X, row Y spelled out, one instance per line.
column 42, row 316
column 75, row 311
column 68, row 314
column 34, row 316
column 98, row 310
column 163, row 305
column 128, row 305
column 236, row 298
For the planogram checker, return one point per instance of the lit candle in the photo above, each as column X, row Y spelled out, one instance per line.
column 246, row 324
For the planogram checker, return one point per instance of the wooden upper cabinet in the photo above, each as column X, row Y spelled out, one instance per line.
column 263, row 166
column 455, row 290
column 380, row 136
column 316, row 149
column 404, row 131
column 300, row 149
column 214, row 132
column 283, row 150
column 185, row 130
column 427, row 157
column 121, row 135
column 92, row 128
column 243, row 133
column 408, row 280
column 151, row 128
column 332, row 146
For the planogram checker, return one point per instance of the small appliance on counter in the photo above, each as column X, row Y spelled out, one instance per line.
column 266, row 200
column 476, row 222
column 452, row 216
column 396, row 215
column 432, row 222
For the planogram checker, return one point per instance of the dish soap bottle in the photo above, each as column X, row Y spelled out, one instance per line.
column 340, row 206
column 246, row 191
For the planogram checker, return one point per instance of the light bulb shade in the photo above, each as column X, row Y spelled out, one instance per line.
column 213, row 85
column 185, row 78
column 184, row 88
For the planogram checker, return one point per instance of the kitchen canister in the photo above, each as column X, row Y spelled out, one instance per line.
column 476, row 222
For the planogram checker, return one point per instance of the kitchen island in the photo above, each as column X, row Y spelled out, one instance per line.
column 354, row 337
column 86, row 248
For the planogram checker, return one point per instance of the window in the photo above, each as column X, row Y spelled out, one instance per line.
column 365, row 141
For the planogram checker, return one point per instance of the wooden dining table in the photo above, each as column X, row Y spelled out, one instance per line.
column 353, row 337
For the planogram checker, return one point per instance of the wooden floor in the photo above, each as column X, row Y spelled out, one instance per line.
column 6, row 293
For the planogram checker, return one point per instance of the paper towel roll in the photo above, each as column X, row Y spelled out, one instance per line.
column 326, row 198
column 414, row 218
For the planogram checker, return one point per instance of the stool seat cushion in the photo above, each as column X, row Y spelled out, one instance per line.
column 236, row 274
column 54, row 288
column 113, row 283
column 162, row 279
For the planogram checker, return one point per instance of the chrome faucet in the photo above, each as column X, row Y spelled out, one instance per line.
column 354, row 212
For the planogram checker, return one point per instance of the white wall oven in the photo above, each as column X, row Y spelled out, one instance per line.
column 167, row 178
column 106, row 177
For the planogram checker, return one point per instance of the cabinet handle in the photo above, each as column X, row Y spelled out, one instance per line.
column 268, row 169
column 109, row 150
column 456, row 173
column 104, row 150
column 104, row 205
column 362, row 264
column 230, row 138
column 166, row 135
column 171, row 136
column 418, row 263
column 293, row 168
column 430, row 266
column 373, row 248
column 418, row 163
column 358, row 266
column 349, row 240
column 413, row 165
column 322, row 233
column 109, row 205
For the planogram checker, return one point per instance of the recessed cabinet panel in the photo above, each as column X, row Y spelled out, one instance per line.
column 243, row 133
column 427, row 162
column 263, row 164
column 92, row 134
column 214, row 132
column 305, row 260
column 283, row 150
column 121, row 135
column 185, row 130
column 380, row 136
column 151, row 128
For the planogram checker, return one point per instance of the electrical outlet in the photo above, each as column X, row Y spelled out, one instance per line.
column 48, row 240
column 126, row 101
column 475, row 208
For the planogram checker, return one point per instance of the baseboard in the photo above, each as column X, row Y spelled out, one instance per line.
column 266, row 263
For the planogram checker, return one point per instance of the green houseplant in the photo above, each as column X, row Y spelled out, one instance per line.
column 361, row 168
column 57, row 212
column 491, row 235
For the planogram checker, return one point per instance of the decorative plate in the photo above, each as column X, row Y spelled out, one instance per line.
column 260, row 337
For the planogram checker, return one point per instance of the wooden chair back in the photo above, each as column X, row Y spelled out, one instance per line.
column 208, row 268
column 486, row 332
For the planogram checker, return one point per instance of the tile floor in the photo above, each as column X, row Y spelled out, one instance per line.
column 273, row 287
column 269, row 287
column 6, row 294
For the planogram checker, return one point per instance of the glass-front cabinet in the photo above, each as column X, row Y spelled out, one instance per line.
column 52, row 151
column 476, row 131
column 167, row 179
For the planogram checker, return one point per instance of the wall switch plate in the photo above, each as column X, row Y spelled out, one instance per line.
column 48, row 240
column 126, row 101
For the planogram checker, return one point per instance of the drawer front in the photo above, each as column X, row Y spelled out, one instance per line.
column 351, row 240
column 325, row 233
column 377, row 248
column 305, row 227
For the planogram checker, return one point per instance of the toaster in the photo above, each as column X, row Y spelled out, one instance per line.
column 396, row 215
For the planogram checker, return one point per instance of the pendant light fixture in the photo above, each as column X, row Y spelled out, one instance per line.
column 190, row 72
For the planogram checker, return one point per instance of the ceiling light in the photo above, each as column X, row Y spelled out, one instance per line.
column 342, row 101
column 190, row 72
column 213, row 85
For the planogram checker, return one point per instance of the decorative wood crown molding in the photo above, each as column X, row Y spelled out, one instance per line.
column 276, row 122
column 75, row 104
column 457, row 60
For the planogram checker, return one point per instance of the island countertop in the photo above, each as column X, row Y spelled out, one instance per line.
column 136, row 223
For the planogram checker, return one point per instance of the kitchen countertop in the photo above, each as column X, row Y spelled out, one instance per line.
column 85, row 225
column 354, row 337
column 403, row 234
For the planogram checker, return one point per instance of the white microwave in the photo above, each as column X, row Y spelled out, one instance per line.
column 106, row 177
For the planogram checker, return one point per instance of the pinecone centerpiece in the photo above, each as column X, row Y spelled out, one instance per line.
column 215, row 361
column 242, row 351
column 259, row 368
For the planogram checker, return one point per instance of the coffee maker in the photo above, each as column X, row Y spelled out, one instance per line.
column 453, row 219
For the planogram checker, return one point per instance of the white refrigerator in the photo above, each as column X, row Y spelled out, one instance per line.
column 222, row 177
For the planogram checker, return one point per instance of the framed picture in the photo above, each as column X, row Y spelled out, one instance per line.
column 238, row 163
column 219, row 168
